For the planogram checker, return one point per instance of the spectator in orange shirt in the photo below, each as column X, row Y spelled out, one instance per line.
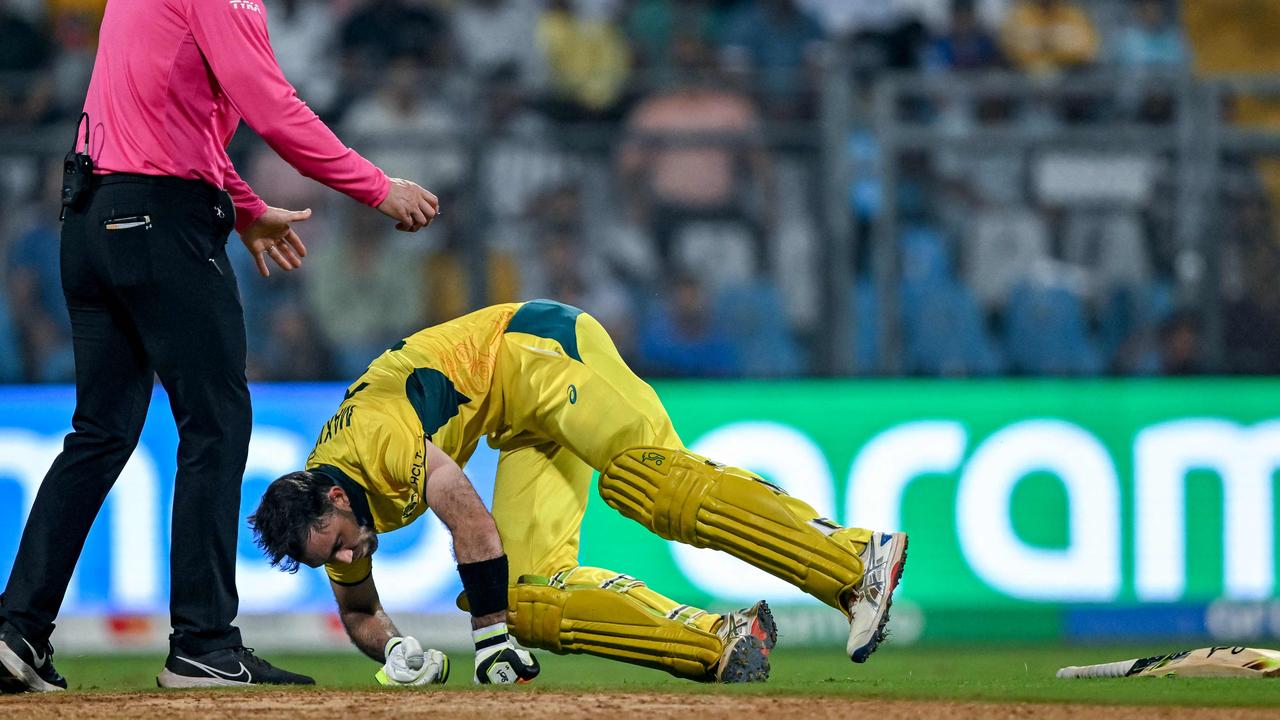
column 695, row 153
column 1049, row 36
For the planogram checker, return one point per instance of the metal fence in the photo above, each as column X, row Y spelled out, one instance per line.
column 886, row 187
column 1153, row 147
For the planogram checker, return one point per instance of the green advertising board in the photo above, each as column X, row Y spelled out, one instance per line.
column 1020, row 496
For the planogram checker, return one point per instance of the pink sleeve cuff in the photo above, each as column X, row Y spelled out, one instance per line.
column 246, row 215
column 384, row 189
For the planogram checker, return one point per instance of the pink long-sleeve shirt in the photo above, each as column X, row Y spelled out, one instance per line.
column 171, row 82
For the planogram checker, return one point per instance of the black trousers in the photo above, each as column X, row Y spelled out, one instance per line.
column 150, row 292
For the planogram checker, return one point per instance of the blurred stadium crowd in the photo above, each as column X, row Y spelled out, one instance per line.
column 695, row 173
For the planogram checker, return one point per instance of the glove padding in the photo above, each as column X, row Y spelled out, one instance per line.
column 505, row 664
column 408, row 664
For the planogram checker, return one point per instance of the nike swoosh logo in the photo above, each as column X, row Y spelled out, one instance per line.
column 248, row 678
column 39, row 659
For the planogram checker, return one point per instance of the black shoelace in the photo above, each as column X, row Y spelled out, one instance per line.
column 246, row 655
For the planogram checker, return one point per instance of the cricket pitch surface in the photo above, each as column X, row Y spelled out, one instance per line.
column 549, row 705
column 934, row 683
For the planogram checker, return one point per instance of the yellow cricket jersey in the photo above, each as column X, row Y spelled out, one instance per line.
column 434, row 385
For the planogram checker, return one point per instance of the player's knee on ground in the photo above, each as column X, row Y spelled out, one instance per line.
column 687, row 498
column 569, row 618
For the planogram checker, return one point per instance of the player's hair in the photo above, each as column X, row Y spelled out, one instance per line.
column 293, row 506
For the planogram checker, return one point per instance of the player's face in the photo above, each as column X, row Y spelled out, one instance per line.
column 341, row 539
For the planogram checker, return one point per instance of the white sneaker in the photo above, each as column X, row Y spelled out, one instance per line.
column 882, row 562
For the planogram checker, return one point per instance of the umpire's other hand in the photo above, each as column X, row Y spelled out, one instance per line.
column 272, row 235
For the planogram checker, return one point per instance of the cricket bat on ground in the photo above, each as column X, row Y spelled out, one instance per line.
column 1205, row 662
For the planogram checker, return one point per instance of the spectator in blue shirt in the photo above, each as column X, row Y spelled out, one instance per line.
column 966, row 45
column 776, row 43
column 33, row 288
column 1151, row 41
column 680, row 339
column 1152, row 38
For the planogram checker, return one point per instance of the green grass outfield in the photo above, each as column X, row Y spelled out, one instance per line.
column 951, row 673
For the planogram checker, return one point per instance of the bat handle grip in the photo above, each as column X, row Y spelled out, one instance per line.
column 1105, row 670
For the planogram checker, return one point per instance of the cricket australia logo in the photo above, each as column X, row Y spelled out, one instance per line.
column 246, row 5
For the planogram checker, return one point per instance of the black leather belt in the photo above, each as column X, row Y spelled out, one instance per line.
column 199, row 187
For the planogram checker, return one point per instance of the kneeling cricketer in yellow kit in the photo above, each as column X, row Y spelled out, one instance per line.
column 545, row 385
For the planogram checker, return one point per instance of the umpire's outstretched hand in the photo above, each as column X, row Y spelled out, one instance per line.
column 272, row 235
column 410, row 205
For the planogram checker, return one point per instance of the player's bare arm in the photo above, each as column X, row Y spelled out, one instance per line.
column 483, row 567
column 367, row 624
column 475, row 535
column 404, row 660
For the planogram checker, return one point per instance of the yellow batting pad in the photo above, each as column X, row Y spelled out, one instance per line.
column 689, row 499
column 569, row 613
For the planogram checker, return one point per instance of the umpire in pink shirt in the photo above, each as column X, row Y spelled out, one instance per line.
column 151, row 292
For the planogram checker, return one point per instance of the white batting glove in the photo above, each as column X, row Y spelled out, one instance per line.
column 408, row 664
column 505, row 664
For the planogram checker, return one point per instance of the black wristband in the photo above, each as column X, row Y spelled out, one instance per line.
column 485, row 584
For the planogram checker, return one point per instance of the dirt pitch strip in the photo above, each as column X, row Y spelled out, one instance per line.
column 330, row 704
